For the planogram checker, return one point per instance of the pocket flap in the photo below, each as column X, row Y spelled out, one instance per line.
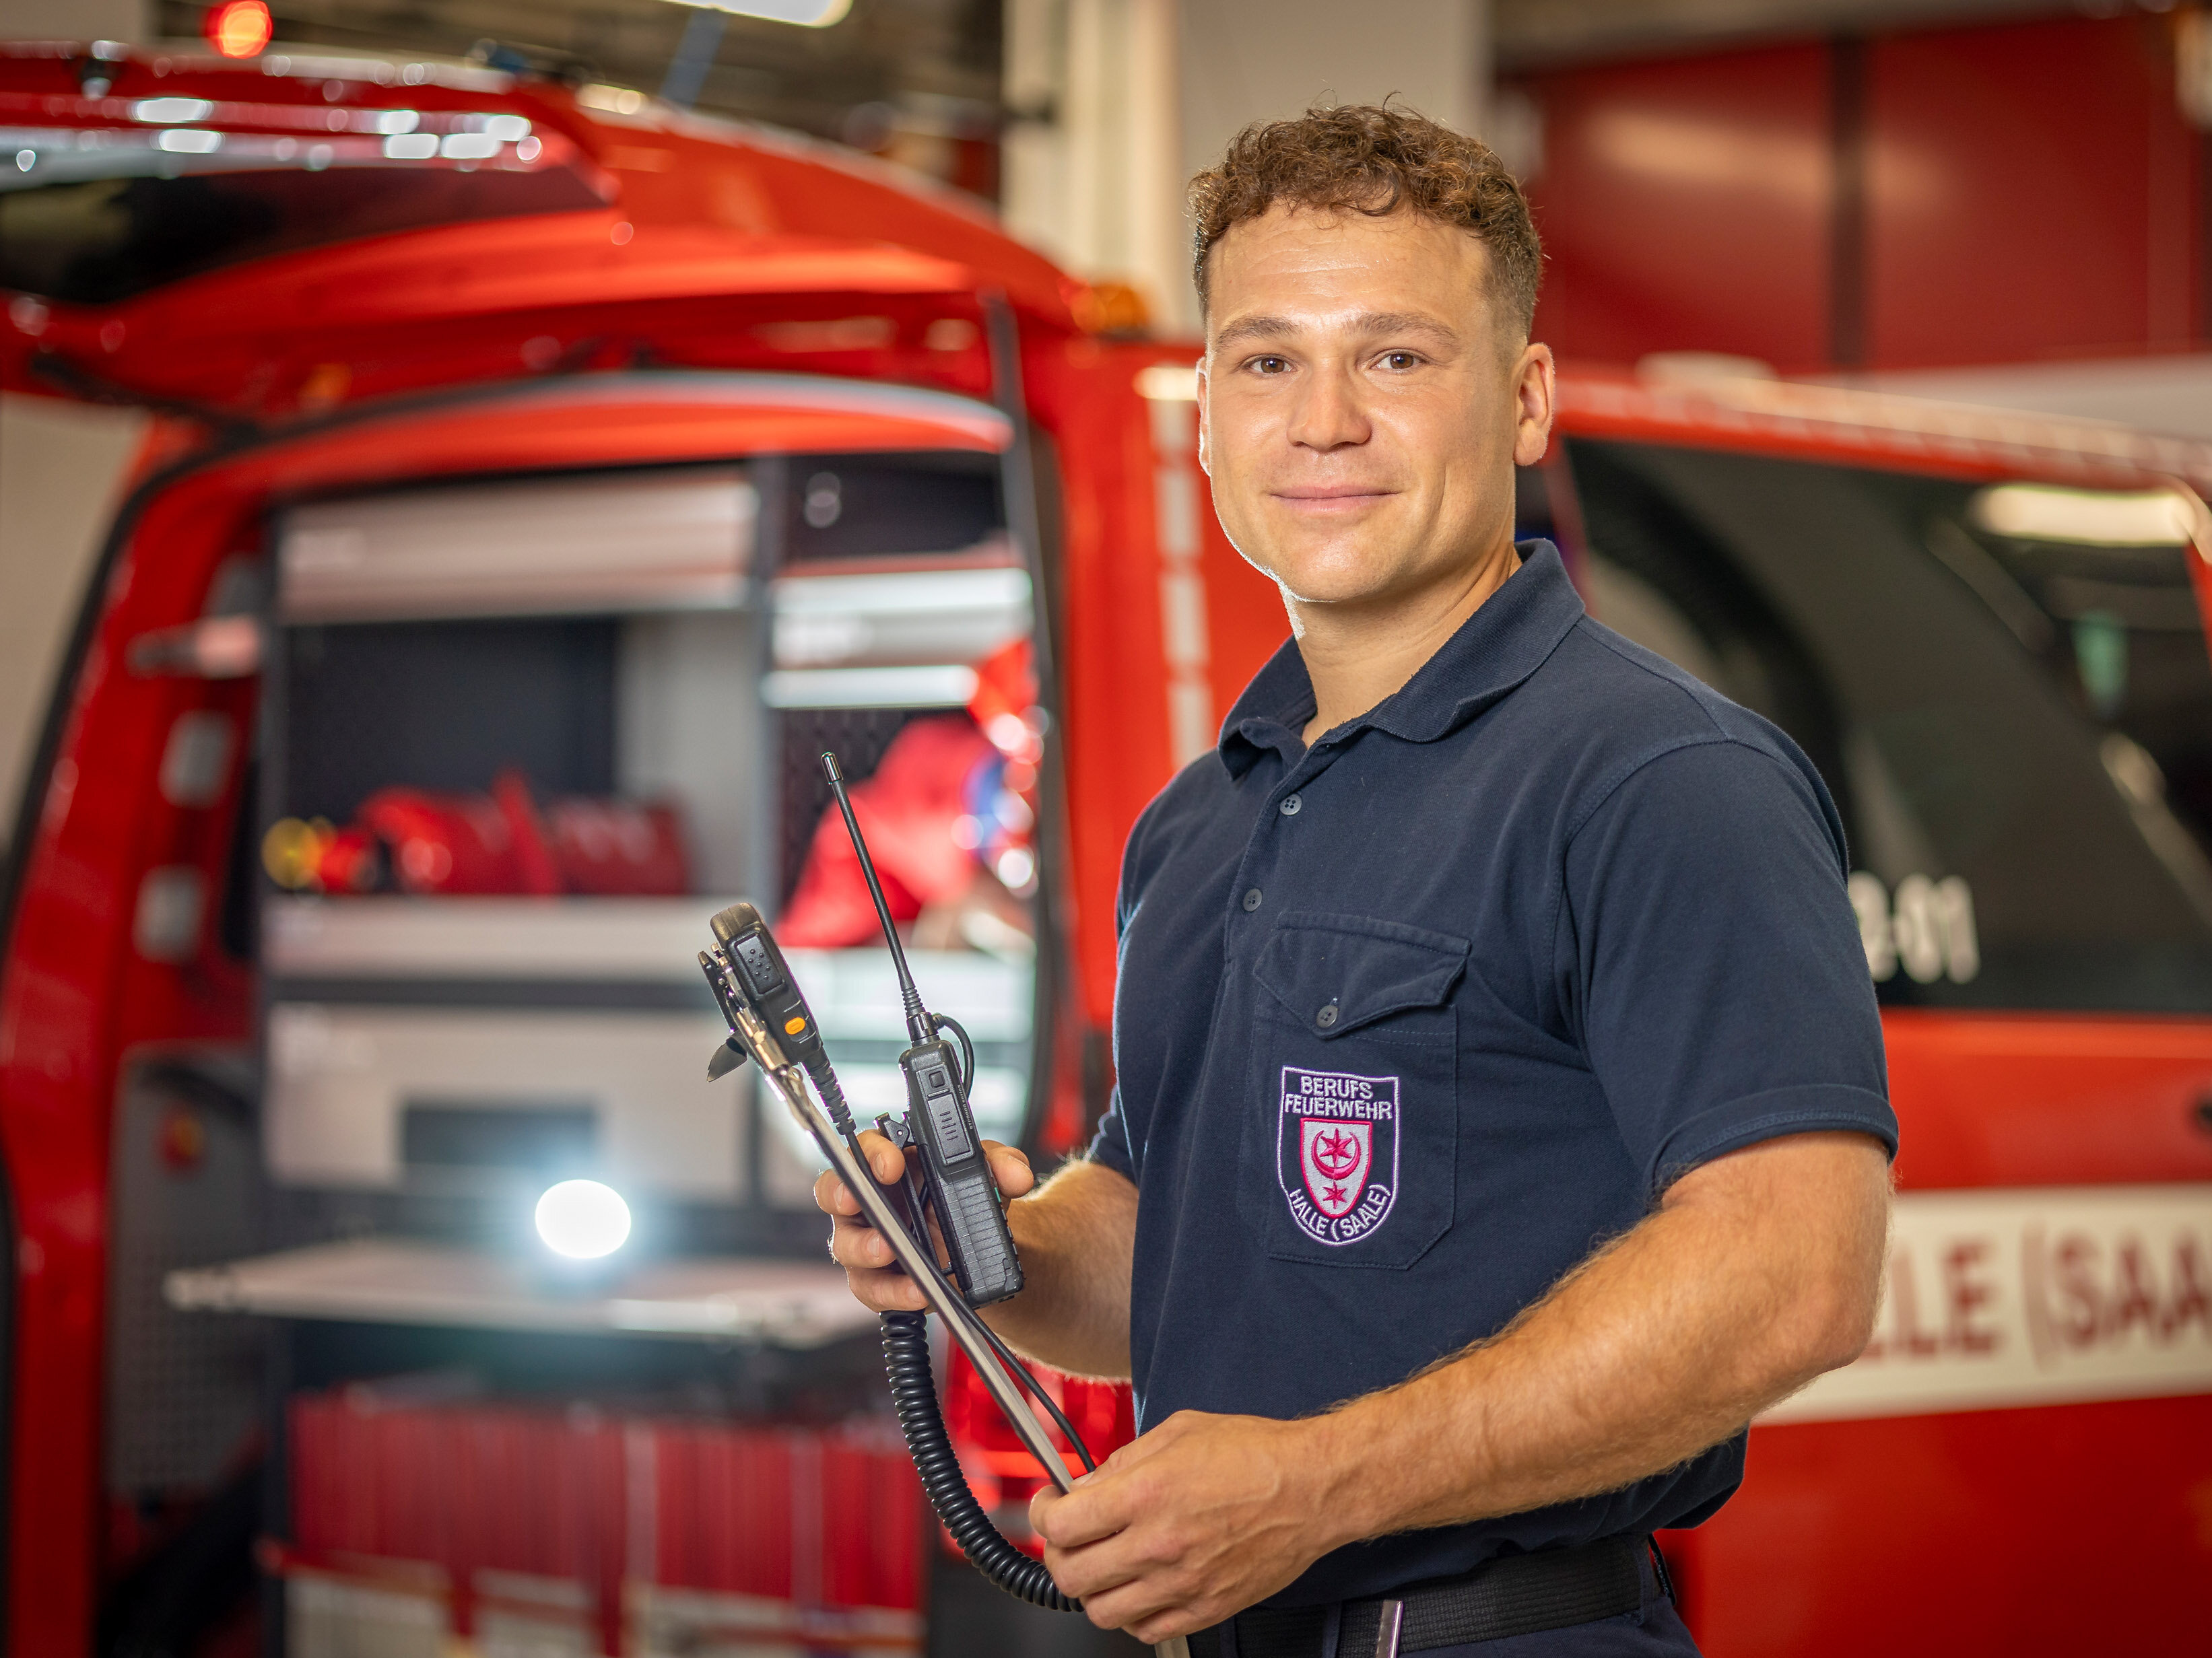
column 1338, row 973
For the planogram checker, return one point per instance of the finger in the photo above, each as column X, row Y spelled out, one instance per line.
column 885, row 1292
column 1127, row 1602
column 1042, row 1504
column 833, row 1197
column 1009, row 1167
column 1094, row 1511
column 1169, row 1623
column 885, row 1161
column 877, row 1286
column 1134, row 1580
column 856, row 1245
column 1087, row 1574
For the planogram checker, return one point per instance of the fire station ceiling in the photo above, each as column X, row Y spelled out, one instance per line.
column 1533, row 34
column 893, row 73
column 914, row 78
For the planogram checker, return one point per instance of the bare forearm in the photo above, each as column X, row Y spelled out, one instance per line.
column 1654, row 1349
column 1076, row 1236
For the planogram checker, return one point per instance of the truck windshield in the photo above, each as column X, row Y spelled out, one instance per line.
column 101, row 240
column 2007, row 687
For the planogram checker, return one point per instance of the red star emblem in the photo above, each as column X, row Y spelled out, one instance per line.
column 1336, row 1153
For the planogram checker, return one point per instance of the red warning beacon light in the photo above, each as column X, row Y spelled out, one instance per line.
column 238, row 28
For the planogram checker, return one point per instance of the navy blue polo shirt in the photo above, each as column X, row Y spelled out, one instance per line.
column 1409, row 1022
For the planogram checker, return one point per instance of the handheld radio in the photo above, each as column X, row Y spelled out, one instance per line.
column 955, row 1180
column 748, row 950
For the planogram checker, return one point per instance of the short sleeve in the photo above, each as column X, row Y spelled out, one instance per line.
column 1712, row 962
column 1110, row 1145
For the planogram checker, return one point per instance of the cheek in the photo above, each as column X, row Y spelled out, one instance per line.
column 1444, row 429
column 1239, row 524
column 1229, row 439
column 1455, row 460
column 1234, row 476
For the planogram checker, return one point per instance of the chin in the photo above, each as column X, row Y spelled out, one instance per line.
column 1341, row 588
column 1340, row 576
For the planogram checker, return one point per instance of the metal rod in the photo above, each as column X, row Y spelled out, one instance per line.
column 790, row 1082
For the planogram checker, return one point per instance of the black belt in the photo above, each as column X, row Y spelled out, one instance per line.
column 1517, row 1595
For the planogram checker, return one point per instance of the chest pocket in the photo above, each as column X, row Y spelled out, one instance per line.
column 1350, row 1147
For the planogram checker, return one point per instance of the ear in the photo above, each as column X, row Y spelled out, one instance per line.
column 1535, row 390
column 1203, row 460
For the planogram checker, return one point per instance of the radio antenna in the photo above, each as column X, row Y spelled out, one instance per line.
column 918, row 1026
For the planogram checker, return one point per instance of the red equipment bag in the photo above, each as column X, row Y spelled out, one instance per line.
column 501, row 843
column 462, row 844
column 613, row 848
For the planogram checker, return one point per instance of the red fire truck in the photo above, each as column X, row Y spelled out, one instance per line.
column 539, row 478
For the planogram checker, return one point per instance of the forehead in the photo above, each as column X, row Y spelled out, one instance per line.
column 1292, row 261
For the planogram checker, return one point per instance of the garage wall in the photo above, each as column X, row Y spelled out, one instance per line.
column 1685, row 205
column 61, row 467
column 74, row 20
column 1991, row 194
column 2031, row 192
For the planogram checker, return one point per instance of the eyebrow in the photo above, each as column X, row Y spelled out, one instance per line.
column 1374, row 322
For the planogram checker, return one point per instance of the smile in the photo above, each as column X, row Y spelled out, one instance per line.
column 1335, row 499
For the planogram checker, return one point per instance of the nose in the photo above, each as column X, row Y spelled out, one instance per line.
column 1328, row 415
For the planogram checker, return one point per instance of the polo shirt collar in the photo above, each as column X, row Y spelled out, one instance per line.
column 1506, row 640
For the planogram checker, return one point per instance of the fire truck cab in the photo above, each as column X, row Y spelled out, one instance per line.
column 540, row 479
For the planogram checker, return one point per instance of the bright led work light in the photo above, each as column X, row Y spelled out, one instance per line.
column 582, row 1219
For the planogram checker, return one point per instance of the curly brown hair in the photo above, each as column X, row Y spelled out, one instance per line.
column 1374, row 159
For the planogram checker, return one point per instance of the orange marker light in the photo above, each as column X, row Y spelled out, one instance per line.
column 238, row 28
column 792, row 1026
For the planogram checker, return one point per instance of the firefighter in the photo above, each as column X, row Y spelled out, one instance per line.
column 1501, row 1119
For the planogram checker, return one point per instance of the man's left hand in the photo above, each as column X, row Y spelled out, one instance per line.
column 1199, row 1518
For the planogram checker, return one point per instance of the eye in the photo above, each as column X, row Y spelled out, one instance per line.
column 1270, row 365
column 1401, row 361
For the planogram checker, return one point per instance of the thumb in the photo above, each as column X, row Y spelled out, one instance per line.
column 1009, row 1167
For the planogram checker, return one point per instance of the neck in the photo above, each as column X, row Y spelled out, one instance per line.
column 1358, row 654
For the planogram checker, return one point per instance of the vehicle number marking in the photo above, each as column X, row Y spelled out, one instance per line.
column 1929, row 931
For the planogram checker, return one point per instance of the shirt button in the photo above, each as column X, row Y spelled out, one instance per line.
column 1290, row 806
column 1251, row 900
column 1326, row 1017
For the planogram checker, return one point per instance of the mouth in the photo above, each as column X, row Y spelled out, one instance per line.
column 1330, row 497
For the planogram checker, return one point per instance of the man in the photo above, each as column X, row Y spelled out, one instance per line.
column 1501, row 1119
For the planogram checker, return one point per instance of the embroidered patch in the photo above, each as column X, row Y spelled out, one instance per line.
column 1336, row 1153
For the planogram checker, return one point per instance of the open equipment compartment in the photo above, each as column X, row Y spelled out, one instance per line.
column 523, row 735
column 463, row 682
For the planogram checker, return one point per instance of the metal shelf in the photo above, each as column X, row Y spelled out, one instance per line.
column 795, row 1304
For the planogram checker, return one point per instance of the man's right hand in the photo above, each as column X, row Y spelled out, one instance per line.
column 878, row 1285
